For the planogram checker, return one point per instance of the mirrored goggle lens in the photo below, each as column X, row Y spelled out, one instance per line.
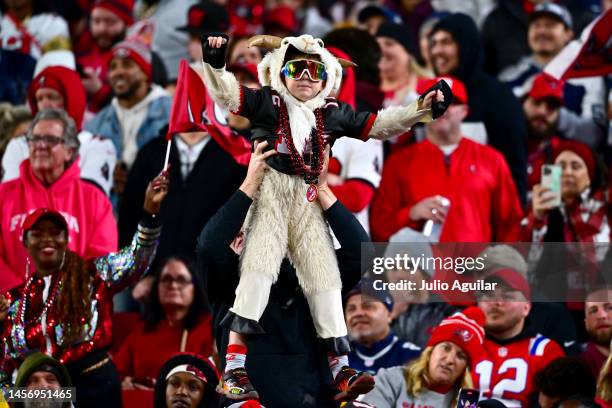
column 297, row 68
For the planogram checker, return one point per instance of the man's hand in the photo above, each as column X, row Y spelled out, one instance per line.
column 257, row 168
column 430, row 208
column 142, row 289
column 91, row 81
column 214, row 47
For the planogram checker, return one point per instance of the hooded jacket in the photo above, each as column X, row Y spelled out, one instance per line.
column 88, row 212
column 490, row 102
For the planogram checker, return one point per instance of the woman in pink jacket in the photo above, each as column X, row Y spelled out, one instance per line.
column 51, row 178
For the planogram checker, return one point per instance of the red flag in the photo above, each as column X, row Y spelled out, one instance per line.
column 193, row 110
column 590, row 55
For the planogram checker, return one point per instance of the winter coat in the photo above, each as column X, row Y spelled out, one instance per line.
column 475, row 178
column 189, row 204
column 416, row 323
column 491, row 104
column 288, row 365
column 388, row 352
column 106, row 123
column 91, row 225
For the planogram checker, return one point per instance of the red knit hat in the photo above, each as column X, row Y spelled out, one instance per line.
column 122, row 8
column 465, row 329
column 581, row 150
column 137, row 51
column 65, row 81
column 458, row 88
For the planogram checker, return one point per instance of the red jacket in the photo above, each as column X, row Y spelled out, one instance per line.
column 475, row 178
column 91, row 225
column 144, row 352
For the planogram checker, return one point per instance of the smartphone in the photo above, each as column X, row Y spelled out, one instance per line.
column 551, row 179
column 468, row 398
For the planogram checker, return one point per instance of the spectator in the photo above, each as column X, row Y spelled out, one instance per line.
column 582, row 115
column 583, row 214
column 239, row 52
column 412, row 12
column 281, row 21
column 288, row 365
column 177, row 319
column 604, row 384
column 563, row 378
column 598, row 324
column 203, row 17
column 374, row 344
column 513, row 351
column 137, row 112
column 24, row 27
column 41, row 372
column 373, row 15
column 65, row 306
column 50, row 178
column 484, row 206
column 195, row 195
column 495, row 116
column 14, row 122
column 424, row 56
column 16, row 70
column 58, row 87
column 415, row 313
column 399, row 71
column 188, row 381
column 434, row 379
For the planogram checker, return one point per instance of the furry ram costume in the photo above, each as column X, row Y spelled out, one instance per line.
column 281, row 222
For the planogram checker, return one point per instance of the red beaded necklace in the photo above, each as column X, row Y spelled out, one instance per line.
column 310, row 174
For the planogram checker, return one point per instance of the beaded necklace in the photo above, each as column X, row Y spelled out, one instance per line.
column 310, row 175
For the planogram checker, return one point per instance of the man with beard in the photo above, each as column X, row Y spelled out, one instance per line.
column 582, row 116
column 598, row 324
column 374, row 344
column 541, row 107
column 514, row 352
column 137, row 112
column 41, row 372
column 108, row 25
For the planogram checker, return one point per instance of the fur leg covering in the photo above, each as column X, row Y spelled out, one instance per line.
column 396, row 120
column 327, row 313
column 265, row 244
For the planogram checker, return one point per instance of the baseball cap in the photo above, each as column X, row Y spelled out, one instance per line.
column 39, row 214
column 456, row 86
column 282, row 17
column 546, row 86
column 512, row 279
column 205, row 18
column 249, row 69
column 552, row 10
column 375, row 9
column 365, row 286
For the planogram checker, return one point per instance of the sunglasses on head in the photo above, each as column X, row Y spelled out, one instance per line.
column 295, row 69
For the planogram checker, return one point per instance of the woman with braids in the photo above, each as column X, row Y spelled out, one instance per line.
column 64, row 307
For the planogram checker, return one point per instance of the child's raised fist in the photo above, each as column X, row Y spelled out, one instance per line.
column 214, row 47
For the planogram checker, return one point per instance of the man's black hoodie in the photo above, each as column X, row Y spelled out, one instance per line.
column 490, row 102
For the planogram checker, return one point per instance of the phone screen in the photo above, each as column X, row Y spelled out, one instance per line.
column 468, row 398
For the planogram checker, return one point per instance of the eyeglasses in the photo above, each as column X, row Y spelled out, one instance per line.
column 48, row 140
column 181, row 281
column 295, row 69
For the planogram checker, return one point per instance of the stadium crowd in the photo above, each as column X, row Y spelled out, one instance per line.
column 118, row 273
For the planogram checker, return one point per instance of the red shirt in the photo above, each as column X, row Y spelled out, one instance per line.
column 144, row 352
column 508, row 368
column 594, row 358
column 475, row 178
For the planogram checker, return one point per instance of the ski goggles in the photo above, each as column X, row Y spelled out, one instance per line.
column 295, row 69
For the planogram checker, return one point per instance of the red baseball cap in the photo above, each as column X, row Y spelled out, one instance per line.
column 546, row 86
column 282, row 17
column 249, row 69
column 39, row 214
column 458, row 88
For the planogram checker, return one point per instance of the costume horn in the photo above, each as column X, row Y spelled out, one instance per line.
column 346, row 63
column 265, row 41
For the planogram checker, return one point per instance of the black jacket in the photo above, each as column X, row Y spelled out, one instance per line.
column 189, row 203
column 490, row 102
column 288, row 365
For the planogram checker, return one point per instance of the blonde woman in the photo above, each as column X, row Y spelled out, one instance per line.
column 434, row 379
column 604, row 385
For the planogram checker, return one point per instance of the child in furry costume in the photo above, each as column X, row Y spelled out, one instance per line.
column 297, row 115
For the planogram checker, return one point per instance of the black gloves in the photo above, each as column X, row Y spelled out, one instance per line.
column 214, row 56
column 438, row 108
